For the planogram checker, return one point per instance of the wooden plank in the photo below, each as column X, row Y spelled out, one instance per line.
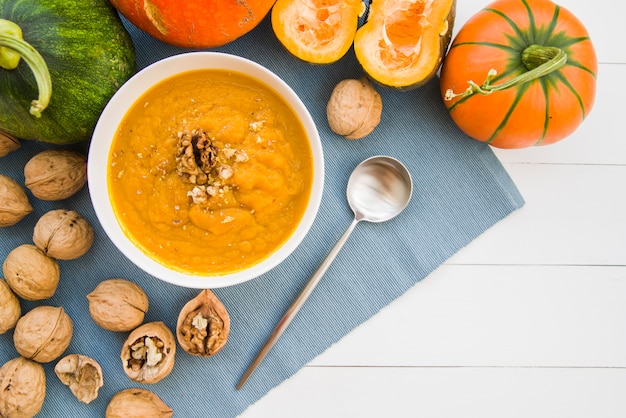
column 447, row 392
column 574, row 215
column 496, row 316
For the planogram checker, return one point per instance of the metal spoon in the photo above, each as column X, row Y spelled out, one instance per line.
column 379, row 188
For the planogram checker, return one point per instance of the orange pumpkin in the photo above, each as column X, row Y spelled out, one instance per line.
column 537, row 67
column 318, row 31
column 194, row 23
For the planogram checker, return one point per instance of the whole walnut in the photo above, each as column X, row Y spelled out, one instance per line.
column 63, row 234
column 137, row 403
column 8, row 143
column 148, row 353
column 82, row 374
column 43, row 333
column 118, row 305
column 22, row 388
column 10, row 309
column 56, row 174
column 14, row 203
column 30, row 273
column 354, row 108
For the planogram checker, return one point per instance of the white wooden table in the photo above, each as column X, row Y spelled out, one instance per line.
column 529, row 320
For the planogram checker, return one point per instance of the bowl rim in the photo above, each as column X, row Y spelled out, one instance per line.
column 107, row 125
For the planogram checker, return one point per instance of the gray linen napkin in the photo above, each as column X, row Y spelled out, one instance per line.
column 460, row 190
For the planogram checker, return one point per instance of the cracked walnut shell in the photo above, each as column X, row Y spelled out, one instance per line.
column 82, row 374
column 137, row 403
column 63, row 234
column 10, row 309
column 203, row 325
column 30, row 273
column 22, row 388
column 118, row 305
column 354, row 108
column 56, row 174
column 148, row 353
column 14, row 203
column 43, row 333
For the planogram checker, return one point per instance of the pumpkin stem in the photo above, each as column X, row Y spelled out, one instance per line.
column 539, row 61
column 12, row 48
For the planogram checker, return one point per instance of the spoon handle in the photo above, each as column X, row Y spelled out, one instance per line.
column 297, row 304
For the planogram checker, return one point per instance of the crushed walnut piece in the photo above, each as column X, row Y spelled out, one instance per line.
column 198, row 194
column 196, row 156
column 206, row 167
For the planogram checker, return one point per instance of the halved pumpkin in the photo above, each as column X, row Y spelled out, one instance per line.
column 403, row 42
column 316, row 31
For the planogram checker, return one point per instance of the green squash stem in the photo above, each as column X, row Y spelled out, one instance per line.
column 538, row 60
column 10, row 38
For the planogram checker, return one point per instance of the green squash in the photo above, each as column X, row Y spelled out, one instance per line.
column 80, row 47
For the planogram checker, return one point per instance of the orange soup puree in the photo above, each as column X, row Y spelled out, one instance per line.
column 210, row 172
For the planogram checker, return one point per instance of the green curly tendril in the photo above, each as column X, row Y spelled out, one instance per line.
column 539, row 60
column 12, row 49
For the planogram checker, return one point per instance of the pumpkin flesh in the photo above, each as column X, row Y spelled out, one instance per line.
column 194, row 23
column 511, row 38
column 316, row 31
column 403, row 42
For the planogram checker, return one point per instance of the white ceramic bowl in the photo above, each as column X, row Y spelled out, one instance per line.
column 108, row 124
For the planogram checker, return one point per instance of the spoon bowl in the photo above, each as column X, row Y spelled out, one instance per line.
column 378, row 189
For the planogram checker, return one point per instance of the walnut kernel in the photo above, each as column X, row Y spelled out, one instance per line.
column 137, row 403
column 63, row 234
column 56, row 174
column 82, row 374
column 118, row 305
column 43, row 333
column 196, row 156
column 354, row 108
column 30, row 273
column 203, row 325
column 10, row 309
column 148, row 353
column 14, row 203
column 22, row 388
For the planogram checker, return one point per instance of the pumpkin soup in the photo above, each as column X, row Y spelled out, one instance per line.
column 210, row 172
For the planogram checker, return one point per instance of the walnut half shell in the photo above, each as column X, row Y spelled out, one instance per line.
column 22, row 388
column 82, row 374
column 148, row 353
column 203, row 325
